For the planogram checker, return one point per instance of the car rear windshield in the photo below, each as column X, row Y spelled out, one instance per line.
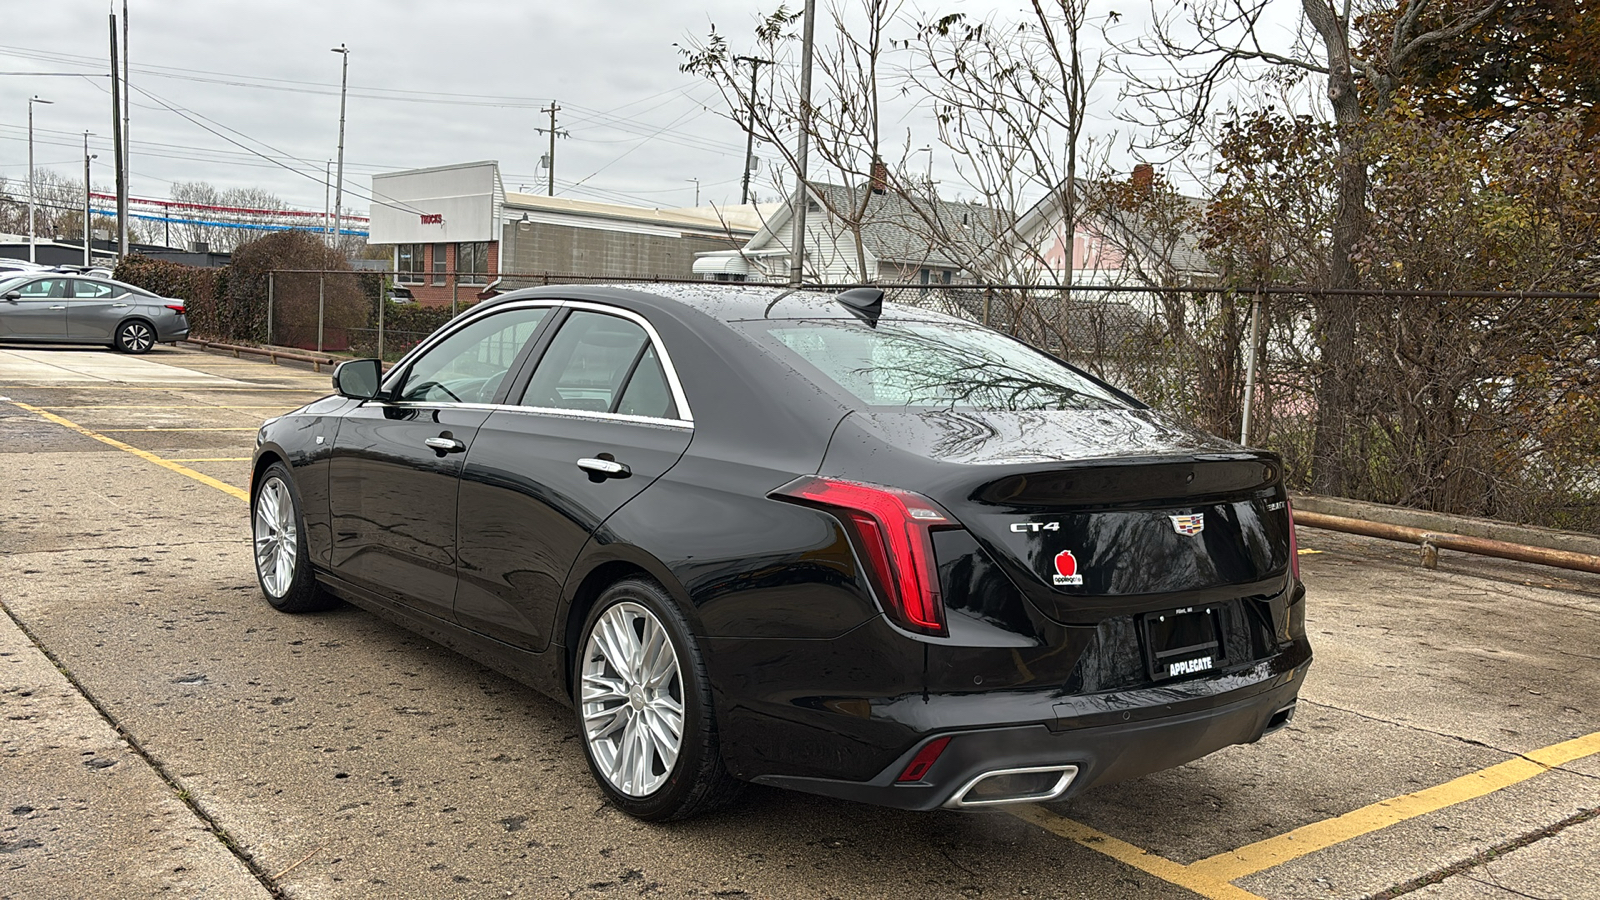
column 932, row 364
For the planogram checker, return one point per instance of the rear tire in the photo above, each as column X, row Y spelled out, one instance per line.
column 644, row 707
column 283, row 564
column 135, row 336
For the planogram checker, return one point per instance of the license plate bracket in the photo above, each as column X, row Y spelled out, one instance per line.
column 1182, row 642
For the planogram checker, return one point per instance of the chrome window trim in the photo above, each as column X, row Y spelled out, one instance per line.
column 685, row 416
column 544, row 411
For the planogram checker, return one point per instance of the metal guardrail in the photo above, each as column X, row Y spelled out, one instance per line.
column 1431, row 542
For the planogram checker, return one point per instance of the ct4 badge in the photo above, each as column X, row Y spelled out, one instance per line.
column 1194, row 523
column 1067, row 570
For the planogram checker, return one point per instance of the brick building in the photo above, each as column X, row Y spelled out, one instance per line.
column 457, row 233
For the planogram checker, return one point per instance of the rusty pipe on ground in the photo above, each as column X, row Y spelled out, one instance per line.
column 1432, row 542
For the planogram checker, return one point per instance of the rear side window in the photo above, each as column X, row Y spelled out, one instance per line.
column 90, row 290
column 931, row 365
column 601, row 363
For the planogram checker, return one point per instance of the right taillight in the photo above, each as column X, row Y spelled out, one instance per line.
column 892, row 528
column 1294, row 543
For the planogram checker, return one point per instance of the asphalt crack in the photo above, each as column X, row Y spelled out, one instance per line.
column 182, row 793
column 1485, row 857
column 1445, row 734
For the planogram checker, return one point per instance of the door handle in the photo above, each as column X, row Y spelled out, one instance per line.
column 119, row 305
column 58, row 307
column 444, row 445
column 599, row 469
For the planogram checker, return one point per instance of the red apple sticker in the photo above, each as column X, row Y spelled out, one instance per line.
column 1067, row 570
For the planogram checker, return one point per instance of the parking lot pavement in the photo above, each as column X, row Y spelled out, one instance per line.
column 1446, row 747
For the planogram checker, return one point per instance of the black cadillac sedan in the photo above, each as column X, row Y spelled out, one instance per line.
column 800, row 539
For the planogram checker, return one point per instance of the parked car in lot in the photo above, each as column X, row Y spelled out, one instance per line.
column 79, row 309
column 813, row 541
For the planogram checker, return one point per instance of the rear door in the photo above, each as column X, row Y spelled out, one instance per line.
column 396, row 462
column 95, row 309
column 601, row 417
column 38, row 312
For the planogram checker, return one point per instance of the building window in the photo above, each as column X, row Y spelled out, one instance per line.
column 439, row 265
column 408, row 262
column 472, row 262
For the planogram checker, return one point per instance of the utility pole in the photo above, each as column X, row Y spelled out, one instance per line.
column 696, row 190
column 750, row 133
column 338, row 190
column 127, row 102
column 31, row 201
column 116, row 144
column 550, row 170
column 86, row 232
column 802, row 197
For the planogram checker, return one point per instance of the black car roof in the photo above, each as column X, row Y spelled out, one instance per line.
column 726, row 302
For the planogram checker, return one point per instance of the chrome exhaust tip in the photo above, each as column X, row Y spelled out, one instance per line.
column 1035, row 784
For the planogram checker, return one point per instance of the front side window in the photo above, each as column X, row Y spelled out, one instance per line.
column 601, row 363
column 469, row 365
column 931, row 364
column 47, row 289
column 472, row 262
column 408, row 263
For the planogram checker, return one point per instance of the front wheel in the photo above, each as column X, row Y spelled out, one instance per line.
column 135, row 337
column 283, row 564
column 644, row 707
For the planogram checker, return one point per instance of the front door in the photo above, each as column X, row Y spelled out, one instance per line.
column 38, row 312
column 396, row 462
column 543, row 475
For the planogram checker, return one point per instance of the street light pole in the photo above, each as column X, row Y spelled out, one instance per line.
column 338, row 191
column 31, row 200
column 86, row 189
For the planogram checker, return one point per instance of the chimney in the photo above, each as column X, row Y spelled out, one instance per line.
column 880, row 176
column 1144, row 177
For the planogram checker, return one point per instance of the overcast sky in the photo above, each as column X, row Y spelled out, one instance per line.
column 431, row 83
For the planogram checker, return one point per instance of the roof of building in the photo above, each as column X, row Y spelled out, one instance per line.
column 894, row 228
column 739, row 220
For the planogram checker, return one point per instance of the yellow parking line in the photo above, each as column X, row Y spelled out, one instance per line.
column 172, row 389
column 144, row 430
column 210, row 459
column 148, row 406
column 207, row 480
column 1165, row 869
column 1320, row 835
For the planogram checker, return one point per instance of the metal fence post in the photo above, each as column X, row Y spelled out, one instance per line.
column 1250, row 367
column 269, row 307
column 383, row 304
column 322, row 303
column 455, row 282
column 988, row 297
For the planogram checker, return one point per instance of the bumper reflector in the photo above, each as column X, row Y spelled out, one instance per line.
column 923, row 761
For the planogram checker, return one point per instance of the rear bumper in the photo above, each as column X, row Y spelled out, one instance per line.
column 172, row 332
column 1122, row 739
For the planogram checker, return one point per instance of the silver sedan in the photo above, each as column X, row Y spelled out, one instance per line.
column 80, row 309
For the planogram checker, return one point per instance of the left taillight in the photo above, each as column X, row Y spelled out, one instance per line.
column 893, row 530
column 176, row 307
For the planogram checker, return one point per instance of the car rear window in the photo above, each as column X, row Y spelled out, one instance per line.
column 932, row 364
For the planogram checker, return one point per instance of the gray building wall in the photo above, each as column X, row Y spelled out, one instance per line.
column 538, row 248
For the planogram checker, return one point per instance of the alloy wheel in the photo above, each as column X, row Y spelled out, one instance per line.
column 632, row 699
column 137, row 337
column 277, row 540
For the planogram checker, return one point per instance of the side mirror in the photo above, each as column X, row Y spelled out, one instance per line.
column 358, row 379
column 14, row 296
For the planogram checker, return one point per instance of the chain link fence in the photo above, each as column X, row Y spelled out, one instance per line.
column 1475, row 403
